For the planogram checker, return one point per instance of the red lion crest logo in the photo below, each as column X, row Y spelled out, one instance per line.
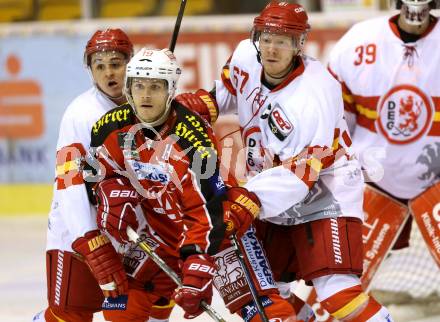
column 409, row 114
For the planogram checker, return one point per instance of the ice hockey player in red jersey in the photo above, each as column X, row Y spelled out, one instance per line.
column 159, row 174
column 298, row 161
column 72, row 219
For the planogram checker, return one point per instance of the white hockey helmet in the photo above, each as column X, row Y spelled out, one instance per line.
column 154, row 64
column 416, row 12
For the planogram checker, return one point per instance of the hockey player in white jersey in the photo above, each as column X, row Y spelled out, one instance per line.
column 298, row 161
column 76, row 284
column 389, row 68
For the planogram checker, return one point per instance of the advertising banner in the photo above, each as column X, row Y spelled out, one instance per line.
column 39, row 75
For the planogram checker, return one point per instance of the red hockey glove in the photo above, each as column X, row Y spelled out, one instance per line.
column 197, row 271
column 201, row 102
column 240, row 210
column 117, row 200
column 103, row 261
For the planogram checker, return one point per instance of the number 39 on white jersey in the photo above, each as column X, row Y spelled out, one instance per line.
column 392, row 100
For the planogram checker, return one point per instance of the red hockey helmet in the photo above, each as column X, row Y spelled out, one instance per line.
column 282, row 17
column 108, row 40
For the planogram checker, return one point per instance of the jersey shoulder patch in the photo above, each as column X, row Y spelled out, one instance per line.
column 114, row 119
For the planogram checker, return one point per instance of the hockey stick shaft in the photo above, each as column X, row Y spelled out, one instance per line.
column 249, row 280
column 177, row 25
column 134, row 237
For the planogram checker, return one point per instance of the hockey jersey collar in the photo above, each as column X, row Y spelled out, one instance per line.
column 293, row 74
column 393, row 25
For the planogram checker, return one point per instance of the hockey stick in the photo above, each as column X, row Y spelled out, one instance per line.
column 134, row 237
column 248, row 277
column 177, row 26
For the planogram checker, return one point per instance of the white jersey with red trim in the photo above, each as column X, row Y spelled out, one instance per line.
column 392, row 101
column 71, row 213
column 296, row 140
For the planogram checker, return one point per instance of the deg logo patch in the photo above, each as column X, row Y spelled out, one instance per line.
column 405, row 114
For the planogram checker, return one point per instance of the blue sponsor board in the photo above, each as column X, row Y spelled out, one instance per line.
column 32, row 158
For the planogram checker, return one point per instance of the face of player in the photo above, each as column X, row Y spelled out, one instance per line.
column 277, row 53
column 414, row 19
column 108, row 71
column 149, row 98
